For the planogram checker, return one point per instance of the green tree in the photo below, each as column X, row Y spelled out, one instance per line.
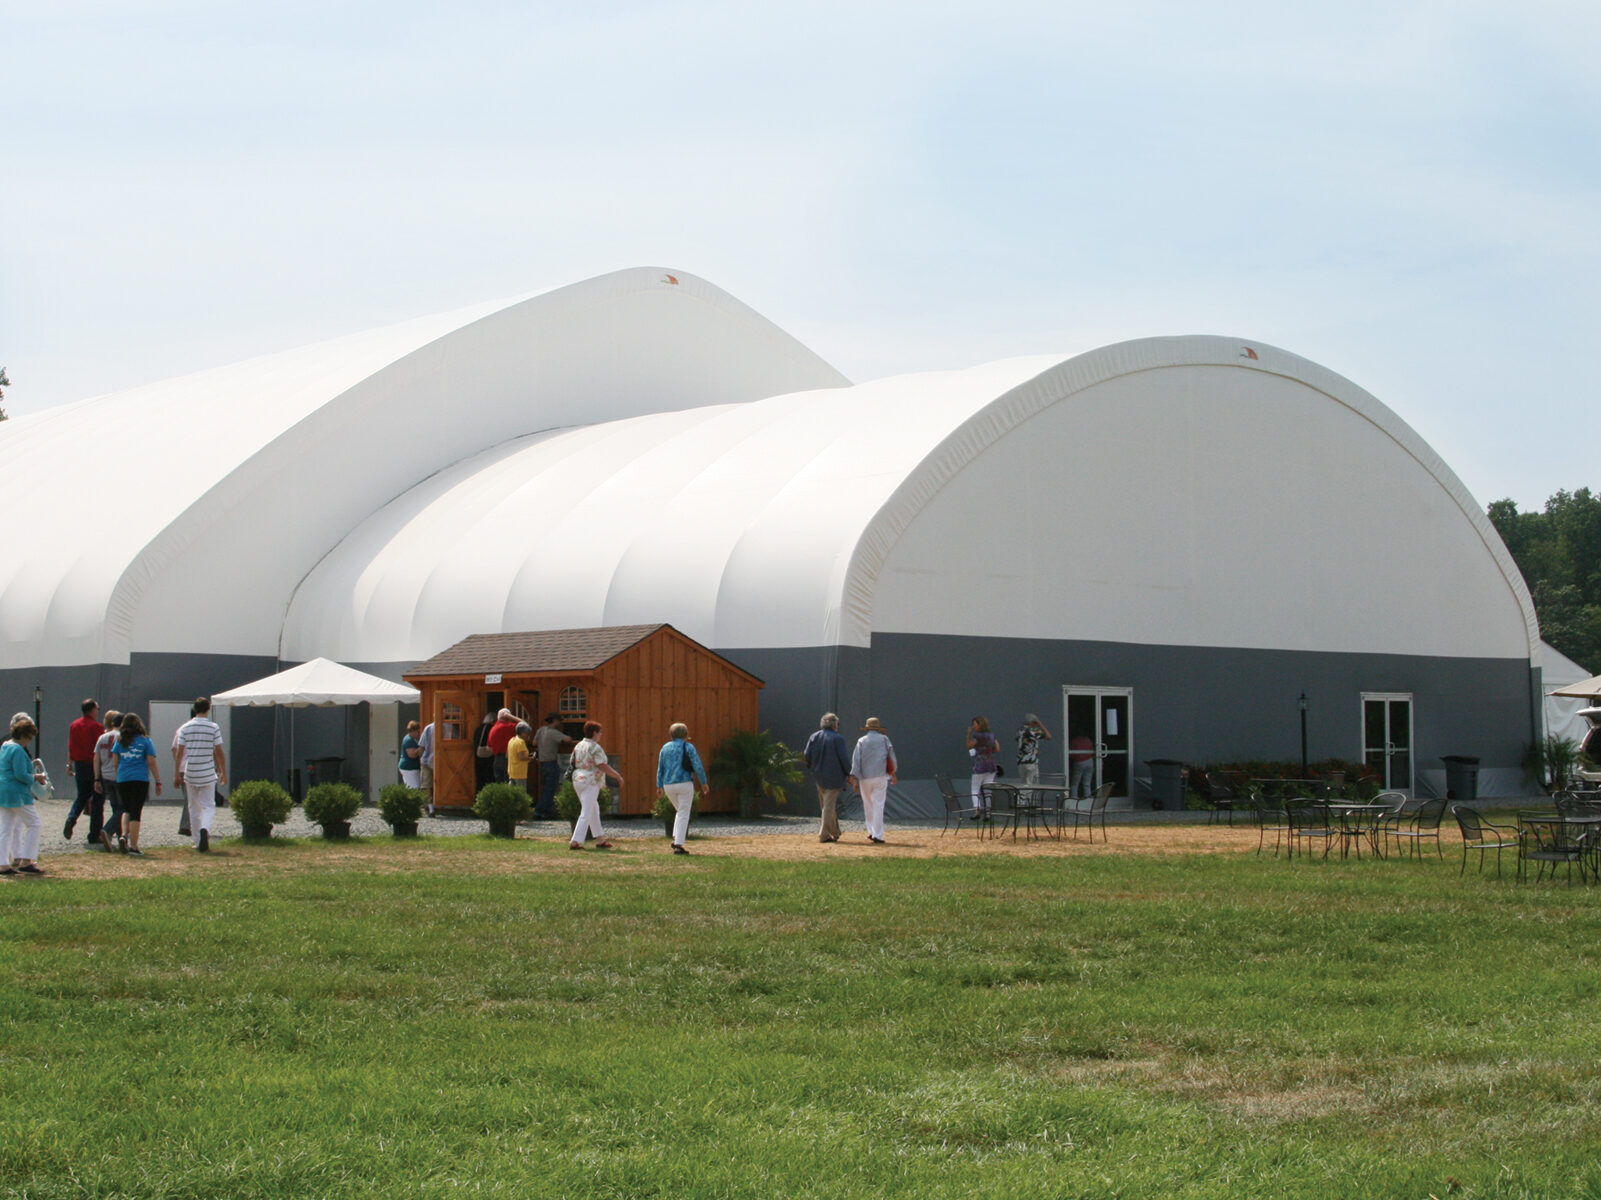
column 1559, row 552
column 5, row 382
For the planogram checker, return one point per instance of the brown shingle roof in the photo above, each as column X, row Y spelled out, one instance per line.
column 545, row 650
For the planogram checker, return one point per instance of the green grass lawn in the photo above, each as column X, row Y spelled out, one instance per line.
column 474, row 1018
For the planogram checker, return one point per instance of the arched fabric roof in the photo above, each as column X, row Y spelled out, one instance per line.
column 237, row 480
column 793, row 521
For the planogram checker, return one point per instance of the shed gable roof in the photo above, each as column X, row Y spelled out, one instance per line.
column 537, row 651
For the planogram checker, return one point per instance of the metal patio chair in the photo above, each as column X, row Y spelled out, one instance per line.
column 1225, row 794
column 1421, row 826
column 1087, row 811
column 1310, row 824
column 1000, row 807
column 1271, row 817
column 1483, row 836
column 1551, row 840
column 957, row 808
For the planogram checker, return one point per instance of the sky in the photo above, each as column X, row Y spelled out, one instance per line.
column 1406, row 193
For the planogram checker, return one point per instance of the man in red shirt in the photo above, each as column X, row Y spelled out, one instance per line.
column 500, row 735
column 82, row 735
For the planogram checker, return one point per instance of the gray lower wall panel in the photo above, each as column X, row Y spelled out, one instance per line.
column 1193, row 704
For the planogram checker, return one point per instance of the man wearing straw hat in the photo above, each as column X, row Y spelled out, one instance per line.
column 872, row 771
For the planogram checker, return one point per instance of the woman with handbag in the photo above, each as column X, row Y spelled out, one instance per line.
column 20, row 776
column 678, row 766
column 483, row 756
column 589, row 764
column 983, row 746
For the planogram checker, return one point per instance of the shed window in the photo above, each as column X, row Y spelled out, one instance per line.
column 450, row 724
column 572, row 703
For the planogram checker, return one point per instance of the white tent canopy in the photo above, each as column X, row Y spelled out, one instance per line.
column 1584, row 689
column 319, row 683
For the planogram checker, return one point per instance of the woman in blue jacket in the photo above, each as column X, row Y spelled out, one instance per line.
column 19, row 818
column 678, row 766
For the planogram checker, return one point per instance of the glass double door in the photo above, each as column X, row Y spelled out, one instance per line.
column 1387, row 738
column 1099, row 721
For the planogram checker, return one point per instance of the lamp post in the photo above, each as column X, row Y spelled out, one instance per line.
column 38, row 701
column 1303, row 735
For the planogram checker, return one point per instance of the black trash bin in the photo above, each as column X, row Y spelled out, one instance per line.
column 324, row 770
column 1461, row 776
column 1167, row 783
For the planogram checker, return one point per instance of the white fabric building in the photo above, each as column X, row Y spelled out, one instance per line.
column 1163, row 543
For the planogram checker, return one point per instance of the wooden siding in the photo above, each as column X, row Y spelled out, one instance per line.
column 636, row 696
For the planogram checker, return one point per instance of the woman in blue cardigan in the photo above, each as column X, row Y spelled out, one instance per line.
column 19, row 818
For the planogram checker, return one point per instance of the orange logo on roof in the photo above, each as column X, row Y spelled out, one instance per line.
column 673, row 279
column 1247, row 352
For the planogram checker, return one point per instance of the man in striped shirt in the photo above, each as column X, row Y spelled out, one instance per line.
column 203, row 767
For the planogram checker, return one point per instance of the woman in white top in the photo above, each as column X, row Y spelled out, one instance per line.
column 589, row 764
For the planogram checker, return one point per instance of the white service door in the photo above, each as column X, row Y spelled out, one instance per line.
column 383, row 747
column 166, row 716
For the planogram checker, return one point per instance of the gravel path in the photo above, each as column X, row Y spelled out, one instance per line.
column 160, row 827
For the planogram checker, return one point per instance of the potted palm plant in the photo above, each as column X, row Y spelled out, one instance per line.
column 757, row 766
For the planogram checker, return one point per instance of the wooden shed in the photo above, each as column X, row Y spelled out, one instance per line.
column 636, row 680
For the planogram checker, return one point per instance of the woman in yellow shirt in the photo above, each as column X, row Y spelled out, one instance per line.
column 517, row 756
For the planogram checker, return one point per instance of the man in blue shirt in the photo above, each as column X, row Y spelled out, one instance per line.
column 826, row 759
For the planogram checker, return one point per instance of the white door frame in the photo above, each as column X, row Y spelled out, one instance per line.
column 167, row 716
column 1101, row 752
column 1389, row 747
column 383, row 746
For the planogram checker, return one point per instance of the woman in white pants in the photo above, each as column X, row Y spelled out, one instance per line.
column 589, row 764
column 872, row 771
column 678, row 766
column 982, row 745
column 19, row 818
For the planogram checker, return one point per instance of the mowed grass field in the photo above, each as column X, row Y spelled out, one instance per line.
column 461, row 1017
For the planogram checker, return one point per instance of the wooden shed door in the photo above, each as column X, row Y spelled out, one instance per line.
column 454, row 727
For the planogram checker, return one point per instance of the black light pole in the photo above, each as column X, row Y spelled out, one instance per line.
column 1303, row 735
column 38, row 745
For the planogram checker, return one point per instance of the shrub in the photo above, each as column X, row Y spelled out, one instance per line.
column 329, row 803
column 663, row 809
column 502, row 804
column 567, row 801
column 401, row 805
column 1361, row 781
column 260, row 802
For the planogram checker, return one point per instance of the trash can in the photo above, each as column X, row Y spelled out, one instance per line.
column 324, row 770
column 1461, row 776
column 1167, row 783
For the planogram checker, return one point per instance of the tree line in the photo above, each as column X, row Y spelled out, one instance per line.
column 1559, row 553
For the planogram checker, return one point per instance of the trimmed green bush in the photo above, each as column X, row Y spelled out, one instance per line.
column 401, row 805
column 328, row 803
column 503, row 805
column 259, row 804
column 567, row 801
